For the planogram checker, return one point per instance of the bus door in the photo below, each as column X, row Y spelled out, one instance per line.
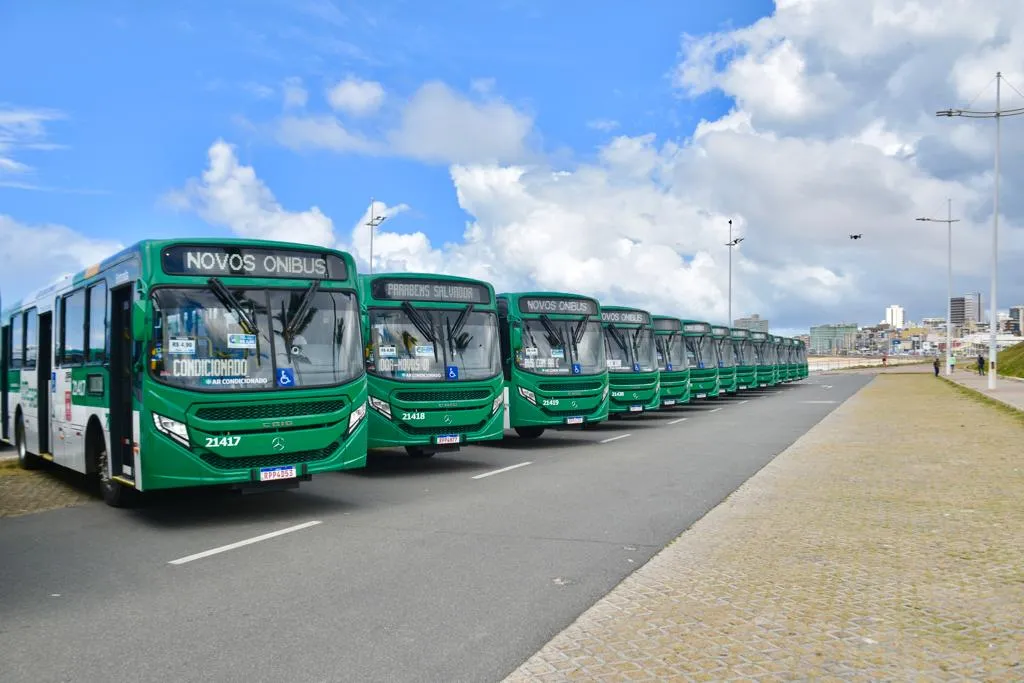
column 5, row 363
column 122, row 370
column 44, row 371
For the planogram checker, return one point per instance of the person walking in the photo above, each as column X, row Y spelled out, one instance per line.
column 935, row 365
column 981, row 364
column 952, row 363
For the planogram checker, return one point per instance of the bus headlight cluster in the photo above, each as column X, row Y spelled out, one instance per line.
column 382, row 407
column 356, row 416
column 528, row 395
column 177, row 431
column 496, row 403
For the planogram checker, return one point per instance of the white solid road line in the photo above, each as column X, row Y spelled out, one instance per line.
column 714, row 410
column 239, row 544
column 742, row 402
column 819, row 401
column 678, row 420
column 503, row 469
column 614, row 438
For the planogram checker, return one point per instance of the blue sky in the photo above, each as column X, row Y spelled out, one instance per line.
column 146, row 90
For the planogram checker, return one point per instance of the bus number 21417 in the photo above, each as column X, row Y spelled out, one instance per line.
column 222, row 441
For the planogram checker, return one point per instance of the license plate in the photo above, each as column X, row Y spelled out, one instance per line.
column 763, row 385
column 636, row 409
column 272, row 473
column 701, row 395
column 668, row 402
column 447, row 439
column 573, row 420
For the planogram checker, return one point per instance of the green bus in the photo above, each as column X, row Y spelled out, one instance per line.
column 792, row 367
column 727, row 383
column 801, row 359
column 433, row 361
column 702, row 352
column 764, row 356
column 178, row 363
column 780, row 358
column 746, row 359
column 672, row 365
column 633, row 375
column 553, row 361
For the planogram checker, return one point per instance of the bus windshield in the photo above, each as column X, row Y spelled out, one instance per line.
column 726, row 353
column 745, row 352
column 764, row 353
column 251, row 339
column 628, row 347
column 671, row 351
column 421, row 344
column 702, row 351
column 550, row 347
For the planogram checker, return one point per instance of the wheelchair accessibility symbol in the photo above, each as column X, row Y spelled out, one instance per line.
column 576, row 369
column 636, row 367
column 452, row 372
column 285, row 377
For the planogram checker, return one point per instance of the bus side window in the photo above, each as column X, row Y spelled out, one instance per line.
column 503, row 338
column 17, row 340
column 96, row 315
column 31, row 342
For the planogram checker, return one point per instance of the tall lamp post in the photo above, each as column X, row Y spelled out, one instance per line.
column 373, row 223
column 949, row 221
column 998, row 115
column 731, row 243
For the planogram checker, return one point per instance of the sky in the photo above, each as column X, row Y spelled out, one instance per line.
column 560, row 146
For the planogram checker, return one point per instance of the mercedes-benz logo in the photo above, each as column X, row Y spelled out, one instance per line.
column 447, row 419
column 278, row 443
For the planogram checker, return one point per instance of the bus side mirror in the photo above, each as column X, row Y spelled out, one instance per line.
column 141, row 323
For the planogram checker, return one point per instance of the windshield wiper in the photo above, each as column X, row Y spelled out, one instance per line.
column 578, row 331
column 552, row 332
column 618, row 338
column 456, row 327
column 424, row 326
column 301, row 311
column 228, row 300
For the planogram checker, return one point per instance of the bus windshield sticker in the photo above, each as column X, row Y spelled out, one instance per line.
column 285, row 377
column 558, row 353
column 614, row 363
column 232, row 261
column 423, row 350
column 185, row 346
column 560, row 305
column 241, row 341
column 408, row 289
column 531, row 351
column 387, row 352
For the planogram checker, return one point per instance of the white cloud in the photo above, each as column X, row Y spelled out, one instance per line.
column 605, row 125
column 28, row 254
column 23, row 129
column 230, row 195
column 356, row 97
column 295, row 95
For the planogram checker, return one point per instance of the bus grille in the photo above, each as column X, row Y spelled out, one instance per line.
column 433, row 431
column 249, row 462
column 268, row 411
column 443, row 395
column 570, row 386
column 626, row 380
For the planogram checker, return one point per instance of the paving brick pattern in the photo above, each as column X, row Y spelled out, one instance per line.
column 885, row 545
column 24, row 492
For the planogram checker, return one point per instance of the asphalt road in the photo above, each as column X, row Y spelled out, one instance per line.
column 415, row 571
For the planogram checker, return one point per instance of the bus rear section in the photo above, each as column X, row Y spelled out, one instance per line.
column 763, row 354
column 433, row 364
column 633, row 375
column 553, row 360
column 746, row 359
column 703, row 359
column 802, row 359
column 778, row 367
column 672, row 364
column 727, row 383
column 789, row 349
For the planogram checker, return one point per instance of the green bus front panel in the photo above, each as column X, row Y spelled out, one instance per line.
column 434, row 413
column 704, row 382
column 233, row 438
column 746, row 377
column 633, row 392
column 727, row 383
column 675, row 388
column 550, row 402
column 765, row 376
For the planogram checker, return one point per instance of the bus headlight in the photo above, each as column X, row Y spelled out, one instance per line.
column 528, row 395
column 173, row 429
column 496, row 403
column 382, row 407
column 355, row 417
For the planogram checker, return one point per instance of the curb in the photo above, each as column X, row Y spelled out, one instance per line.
column 983, row 394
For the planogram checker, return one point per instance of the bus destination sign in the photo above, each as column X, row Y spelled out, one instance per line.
column 761, row 336
column 667, row 324
column 722, row 331
column 560, row 305
column 446, row 291
column 626, row 317
column 695, row 327
column 741, row 333
column 231, row 261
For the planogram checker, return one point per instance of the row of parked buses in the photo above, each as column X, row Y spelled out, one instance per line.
column 257, row 364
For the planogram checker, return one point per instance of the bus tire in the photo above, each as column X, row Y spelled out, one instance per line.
column 419, row 452
column 114, row 494
column 529, row 432
column 26, row 460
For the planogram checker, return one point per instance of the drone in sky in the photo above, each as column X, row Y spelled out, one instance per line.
column 856, row 237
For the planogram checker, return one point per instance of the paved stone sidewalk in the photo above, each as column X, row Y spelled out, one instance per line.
column 885, row 545
column 1008, row 391
column 23, row 492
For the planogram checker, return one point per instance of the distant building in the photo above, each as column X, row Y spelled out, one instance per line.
column 972, row 308
column 957, row 306
column 754, row 323
column 1016, row 323
column 839, row 338
column 894, row 316
column 933, row 322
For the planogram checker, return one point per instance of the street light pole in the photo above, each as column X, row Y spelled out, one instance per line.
column 373, row 223
column 949, row 221
column 998, row 114
column 731, row 243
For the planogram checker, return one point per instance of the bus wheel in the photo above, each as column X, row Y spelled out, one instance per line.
column 114, row 494
column 419, row 452
column 529, row 432
column 26, row 460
